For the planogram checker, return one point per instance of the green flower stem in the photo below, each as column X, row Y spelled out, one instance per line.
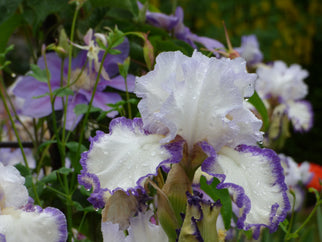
column 61, row 148
column 291, row 235
column 127, row 99
column 91, row 101
column 88, row 111
column 70, row 53
column 2, row 89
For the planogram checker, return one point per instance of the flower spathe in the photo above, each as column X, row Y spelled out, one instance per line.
column 122, row 159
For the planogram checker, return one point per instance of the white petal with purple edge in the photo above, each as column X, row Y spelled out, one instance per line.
column 301, row 115
column 255, row 178
column 39, row 225
column 124, row 157
column 198, row 98
column 13, row 192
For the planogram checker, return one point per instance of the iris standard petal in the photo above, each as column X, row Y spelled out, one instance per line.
column 198, row 98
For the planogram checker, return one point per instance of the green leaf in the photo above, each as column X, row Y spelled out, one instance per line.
column 64, row 171
column 73, row 146
column 260, row 107
column 24, row 171
column 115, row 38
column 124, row 68
column 37, row 73
column 114, row 52
column 63, row 91
column 82, row 109
column 50, row 178
column 222, row 195
column 319, row 218
column 7, row 9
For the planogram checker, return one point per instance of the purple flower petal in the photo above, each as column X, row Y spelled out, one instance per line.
column 71, row 118
column 119, row 83
column 250, row 51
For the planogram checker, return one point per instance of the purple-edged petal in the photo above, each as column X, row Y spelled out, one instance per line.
column 47, row 224
column 123, row 158
column 301, row 115
column 13, row 192
column 199, row 98
column 255, row 178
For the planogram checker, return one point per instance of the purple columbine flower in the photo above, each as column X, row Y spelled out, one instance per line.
column 202, row 101
column 82, row 83
column 283, row 88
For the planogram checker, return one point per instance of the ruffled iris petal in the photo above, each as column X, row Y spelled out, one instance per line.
column 123, row 158
column 141, row 229
column 39, row 225
column 282, row 82
column 198, row 98
column 13, row 192
column 111, row 232
column 261, row 190
column 301, row 115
